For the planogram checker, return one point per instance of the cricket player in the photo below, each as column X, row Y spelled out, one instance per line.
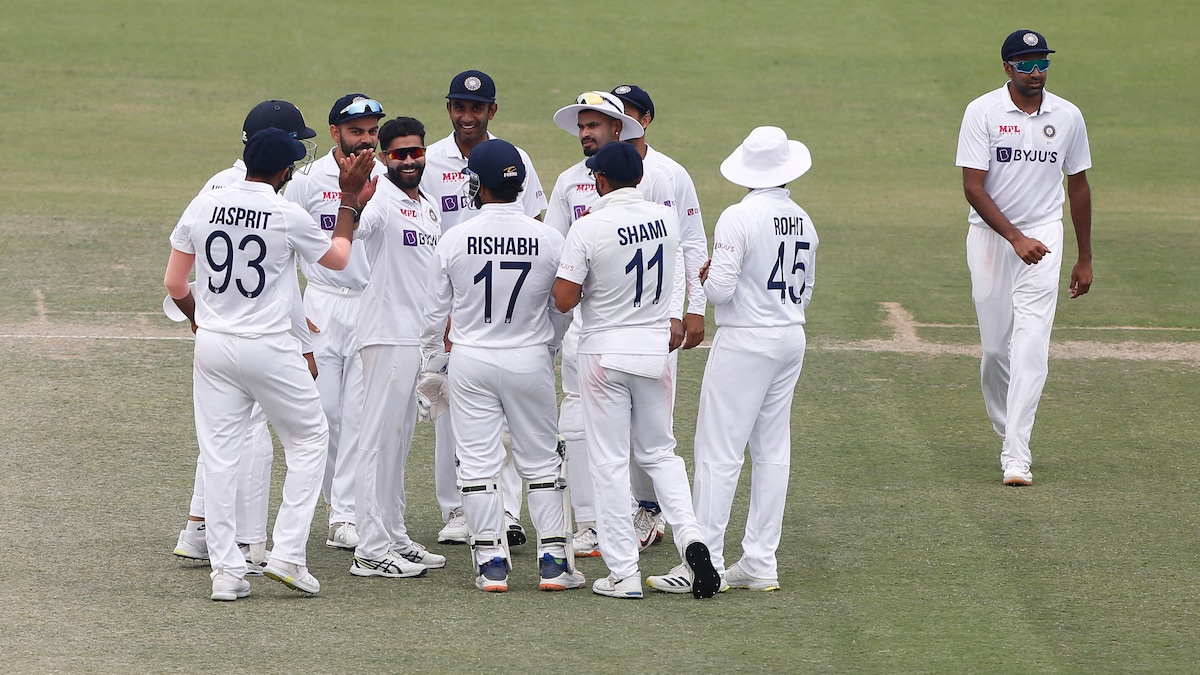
column 760, row 281
column 492, row 277
column 254, row 480
column 399, row 230
column 471, row 105
column 620, row 259
column 331, row 302
column 1014, row 146
column 242, row 242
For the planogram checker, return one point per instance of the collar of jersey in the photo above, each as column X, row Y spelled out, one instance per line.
column 617, row 198
column 1047, row 102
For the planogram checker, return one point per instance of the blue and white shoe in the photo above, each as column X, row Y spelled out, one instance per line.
column 556, row 575
column 493, row 576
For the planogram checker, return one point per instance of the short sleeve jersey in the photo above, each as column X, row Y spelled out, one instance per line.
column 398, row 234
column 318, row 192
column 443, row 182
column 1025, row 156
column 493, row 275
column 763, row 262
column 623, row 255
column 245, row 238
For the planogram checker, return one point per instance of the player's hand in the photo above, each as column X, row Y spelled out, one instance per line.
column 312, row 364
column 1081, row 278
column 356, row 173
column 312, row 327
column 704, row 270
column 677, row 334
column 693, row 329
column 1030, row 250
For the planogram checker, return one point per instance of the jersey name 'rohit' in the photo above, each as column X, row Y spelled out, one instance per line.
column 502, row 246
column 640, row 233
column 232, row 215
column 789, row 226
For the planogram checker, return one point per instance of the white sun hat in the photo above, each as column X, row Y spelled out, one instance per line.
column 567, row 118
column 766, row 159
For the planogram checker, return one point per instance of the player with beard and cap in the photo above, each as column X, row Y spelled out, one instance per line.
column 648, row 516
column 254, row 479
column 471, row 105
column 331, row 301
column 597, row 118
column 398, row 231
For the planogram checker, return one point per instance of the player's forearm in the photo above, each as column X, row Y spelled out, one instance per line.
column 1079, row 193
column 566, row 294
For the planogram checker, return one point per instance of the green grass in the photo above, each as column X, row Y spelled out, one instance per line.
column 902, row 553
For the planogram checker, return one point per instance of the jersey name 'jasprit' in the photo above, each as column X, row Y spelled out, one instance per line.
column 238, row 216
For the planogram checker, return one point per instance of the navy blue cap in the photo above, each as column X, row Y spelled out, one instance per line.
column 1022, row 42
column 271, row 149
column 637, row 97
column 278, row 114
column 496, row 162
column 473, row 85
column 617, row 161
column 345, row 109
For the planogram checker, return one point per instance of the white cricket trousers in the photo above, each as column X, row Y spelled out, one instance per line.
column 254, row 482
column 229, row 374
column 746, row 398
column 625, row 416
column 1015, row 305
column 445, row 473
column 340, row 382
column 487, row 387
column 388, row 421
column 570, row 426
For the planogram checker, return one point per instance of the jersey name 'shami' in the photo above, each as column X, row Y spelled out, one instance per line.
column 643, row 232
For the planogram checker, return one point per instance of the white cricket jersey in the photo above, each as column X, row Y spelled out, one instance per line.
column 319, row 193
column 623, row 254
column 693, row 239
column 245, row 238
column 492, row 275
column 226, row 178
column 443, row 183
column 399, row 235
column 1025, row 156
column 763, row 262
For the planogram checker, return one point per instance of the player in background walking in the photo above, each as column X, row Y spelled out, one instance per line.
column 254, row 480
column 1014, row 146
column 331, row 302
column 242, row 241
column 492, row 277
column 471, row 105
column 760, row 281
column 620, row 259
column 398, row 230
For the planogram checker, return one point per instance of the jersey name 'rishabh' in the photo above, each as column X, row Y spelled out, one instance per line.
column 234, row 215
column 502, row 246
column 639, row 233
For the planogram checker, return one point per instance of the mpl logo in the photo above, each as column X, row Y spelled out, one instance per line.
column 449, row 203
column 328, row 221
column 410, row 237
column 580, row 210
column 1004, row 155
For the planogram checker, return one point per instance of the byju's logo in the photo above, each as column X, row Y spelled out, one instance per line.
column 1004, row 155
column 579, row 210
column 328, row 221
column 449, row 203
column 410, row 237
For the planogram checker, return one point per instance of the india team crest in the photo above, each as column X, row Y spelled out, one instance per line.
column 623, row 89
column 472, row 83
column 1049, row 131
column 1030, row 39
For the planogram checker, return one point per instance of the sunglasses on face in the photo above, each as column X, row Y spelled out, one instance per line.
column 362, row 106
column 404, row 153
column 1027, row 67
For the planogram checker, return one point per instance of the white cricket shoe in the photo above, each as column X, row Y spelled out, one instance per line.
column 736, row 578
column 1015, row 474
column 627, row 588
column 645, row 524
column 342, row 535
column 389, row 566
column 587, row 543
column 557, row 575
column 227, row 587
column 420, row 555
column 455, row 531
column 295, row 577
column 706, row 581
column 493, row 576
column 513, row 529
column 678, row 580
column 192, row 544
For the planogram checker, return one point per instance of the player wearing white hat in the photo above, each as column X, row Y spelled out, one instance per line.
column 1014, row 146
column 398, row 230
column 597, row 118
column 471, row 105
column 492, row 278
column 254, row 476
column 331, row 302
column 760, row 281
column 242, row 242
column 620, row 259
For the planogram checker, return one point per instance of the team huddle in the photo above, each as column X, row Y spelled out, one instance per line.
column 443, row 285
